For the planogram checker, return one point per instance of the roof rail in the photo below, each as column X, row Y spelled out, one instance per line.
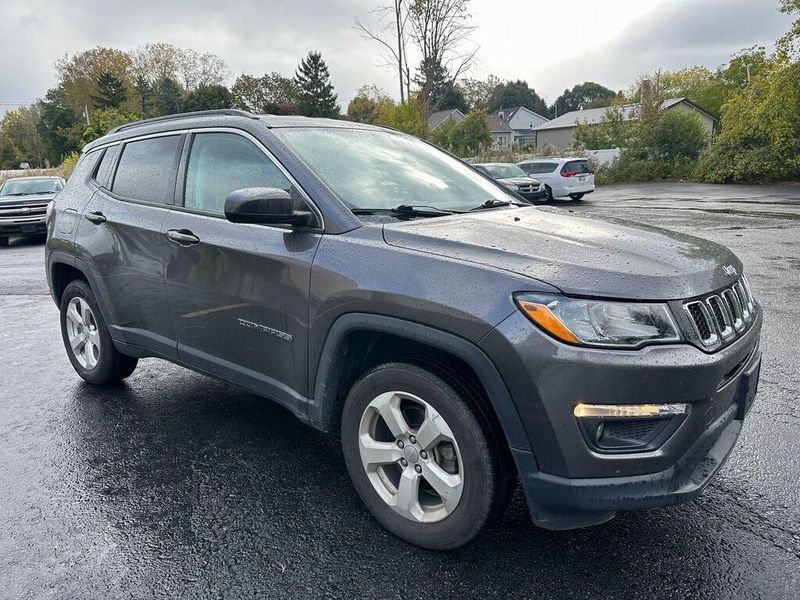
column 187, row 115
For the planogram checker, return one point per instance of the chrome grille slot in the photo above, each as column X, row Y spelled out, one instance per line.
column 721, row 317
column 703, row 324
column 735, row 307
column 740, row 295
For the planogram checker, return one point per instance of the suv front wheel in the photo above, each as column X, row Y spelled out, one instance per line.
column 426, row 467
column 87, row 341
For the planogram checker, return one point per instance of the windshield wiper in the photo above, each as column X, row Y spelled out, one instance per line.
column 492, row 203
column 414, row 210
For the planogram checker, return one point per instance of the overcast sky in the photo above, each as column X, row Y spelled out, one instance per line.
column 550, row 44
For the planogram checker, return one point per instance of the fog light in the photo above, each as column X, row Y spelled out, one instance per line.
column 628, row 411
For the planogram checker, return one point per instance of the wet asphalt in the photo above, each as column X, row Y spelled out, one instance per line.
column 175, row 485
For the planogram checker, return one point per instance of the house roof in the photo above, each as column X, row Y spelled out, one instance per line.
column 511, row 112
column 439, row 117
column 593, row 116
column 497, row 125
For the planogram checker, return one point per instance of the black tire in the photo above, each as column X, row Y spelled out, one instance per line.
column 3, row 241
column 489, row 476
column 112, row 366
column 576, row 197
column 548, row 193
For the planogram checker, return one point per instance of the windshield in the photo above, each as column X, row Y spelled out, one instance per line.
column 28, row 187
column 505, row 171
column 382, row 170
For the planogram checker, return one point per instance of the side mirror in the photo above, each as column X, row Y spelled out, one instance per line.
column 271, row 206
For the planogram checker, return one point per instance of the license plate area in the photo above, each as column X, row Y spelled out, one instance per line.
column 748, row 389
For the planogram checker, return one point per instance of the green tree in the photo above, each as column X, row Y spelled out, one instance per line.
column 168, row 97
column 271, row 93
column 581, row 96
column 111, row 91
column 145, row 93
column 478, row 93
column 103, row 120
column 676, row 135
column 315, row 92
column 55, row 126
column 79, row 75
column 367, row 104
column 405, row 116
column 466, row 138
column 517, row 93
column 613, row 131
column 452, row 98
column 208, row 97
column 760, row 131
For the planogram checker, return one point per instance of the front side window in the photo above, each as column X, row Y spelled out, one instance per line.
column 220, row 163
column 370, row 169
column 147, row 169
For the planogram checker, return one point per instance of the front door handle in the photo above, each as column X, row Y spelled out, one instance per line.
column 95, row 217
column 182, row 237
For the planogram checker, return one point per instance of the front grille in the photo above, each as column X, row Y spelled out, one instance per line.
column 21, row 213
column 526, row 189
column 722, row 316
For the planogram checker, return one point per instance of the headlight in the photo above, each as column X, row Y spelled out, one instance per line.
column 512, row 186
column 599, row 322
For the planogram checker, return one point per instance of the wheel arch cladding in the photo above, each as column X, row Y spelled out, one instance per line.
column 351, row 347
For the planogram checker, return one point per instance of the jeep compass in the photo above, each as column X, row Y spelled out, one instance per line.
column 457, row 338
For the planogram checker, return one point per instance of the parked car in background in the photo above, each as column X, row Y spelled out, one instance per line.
column 571, row 177
column 514, row 178
column 23, row 204
column 457, row 339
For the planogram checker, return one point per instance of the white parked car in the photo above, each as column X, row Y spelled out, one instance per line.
column 571, row 177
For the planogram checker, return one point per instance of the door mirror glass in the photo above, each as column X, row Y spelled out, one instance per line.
column 264, row 205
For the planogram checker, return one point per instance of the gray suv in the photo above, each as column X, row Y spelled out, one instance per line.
column 457, row 338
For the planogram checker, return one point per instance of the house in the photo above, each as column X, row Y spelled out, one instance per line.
column 442, row 116
column 523, row 121
column 502, row 134
column 560, row 131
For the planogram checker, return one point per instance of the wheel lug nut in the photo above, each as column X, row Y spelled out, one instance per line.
column 412, row 439
column 404, row 462
column 418, row 469
column 400, row 443
column 423, row 454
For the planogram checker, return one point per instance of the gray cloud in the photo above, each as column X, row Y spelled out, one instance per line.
column 257, row 36
column 678, row 34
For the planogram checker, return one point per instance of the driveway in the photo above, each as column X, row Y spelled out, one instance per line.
column 177, row 485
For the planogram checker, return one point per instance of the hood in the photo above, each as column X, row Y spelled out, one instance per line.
column 519, row 180
column 33, row 199
column 579, row 255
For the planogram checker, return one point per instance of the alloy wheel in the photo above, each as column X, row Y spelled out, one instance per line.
column 82, row 333
column 411, row 457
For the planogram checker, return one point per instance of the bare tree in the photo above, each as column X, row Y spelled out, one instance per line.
column 441, row 30
column 392, row 32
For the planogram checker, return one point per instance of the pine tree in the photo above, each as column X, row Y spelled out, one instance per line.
column 110, row 91
column 315, row 92
column 145, row 92
column 168, row 97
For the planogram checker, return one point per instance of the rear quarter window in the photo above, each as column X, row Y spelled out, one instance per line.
column 577, row 166
column 147, row 169
column 539, row 167
column 103, row 170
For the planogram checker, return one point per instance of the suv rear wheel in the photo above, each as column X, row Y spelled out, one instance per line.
column 86, row 338
column 576, row 197
column 421, row 461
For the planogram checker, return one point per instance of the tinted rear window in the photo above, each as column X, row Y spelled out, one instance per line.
column 539, row 167
column 147, row 169
column 577, row 166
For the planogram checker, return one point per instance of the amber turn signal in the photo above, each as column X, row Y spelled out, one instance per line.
column 546, row 320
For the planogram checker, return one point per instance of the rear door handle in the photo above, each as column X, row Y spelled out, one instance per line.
column 182, row 237
column 95, row 217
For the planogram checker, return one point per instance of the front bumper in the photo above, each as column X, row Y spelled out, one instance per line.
column 23, row 226
column 567, row 483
